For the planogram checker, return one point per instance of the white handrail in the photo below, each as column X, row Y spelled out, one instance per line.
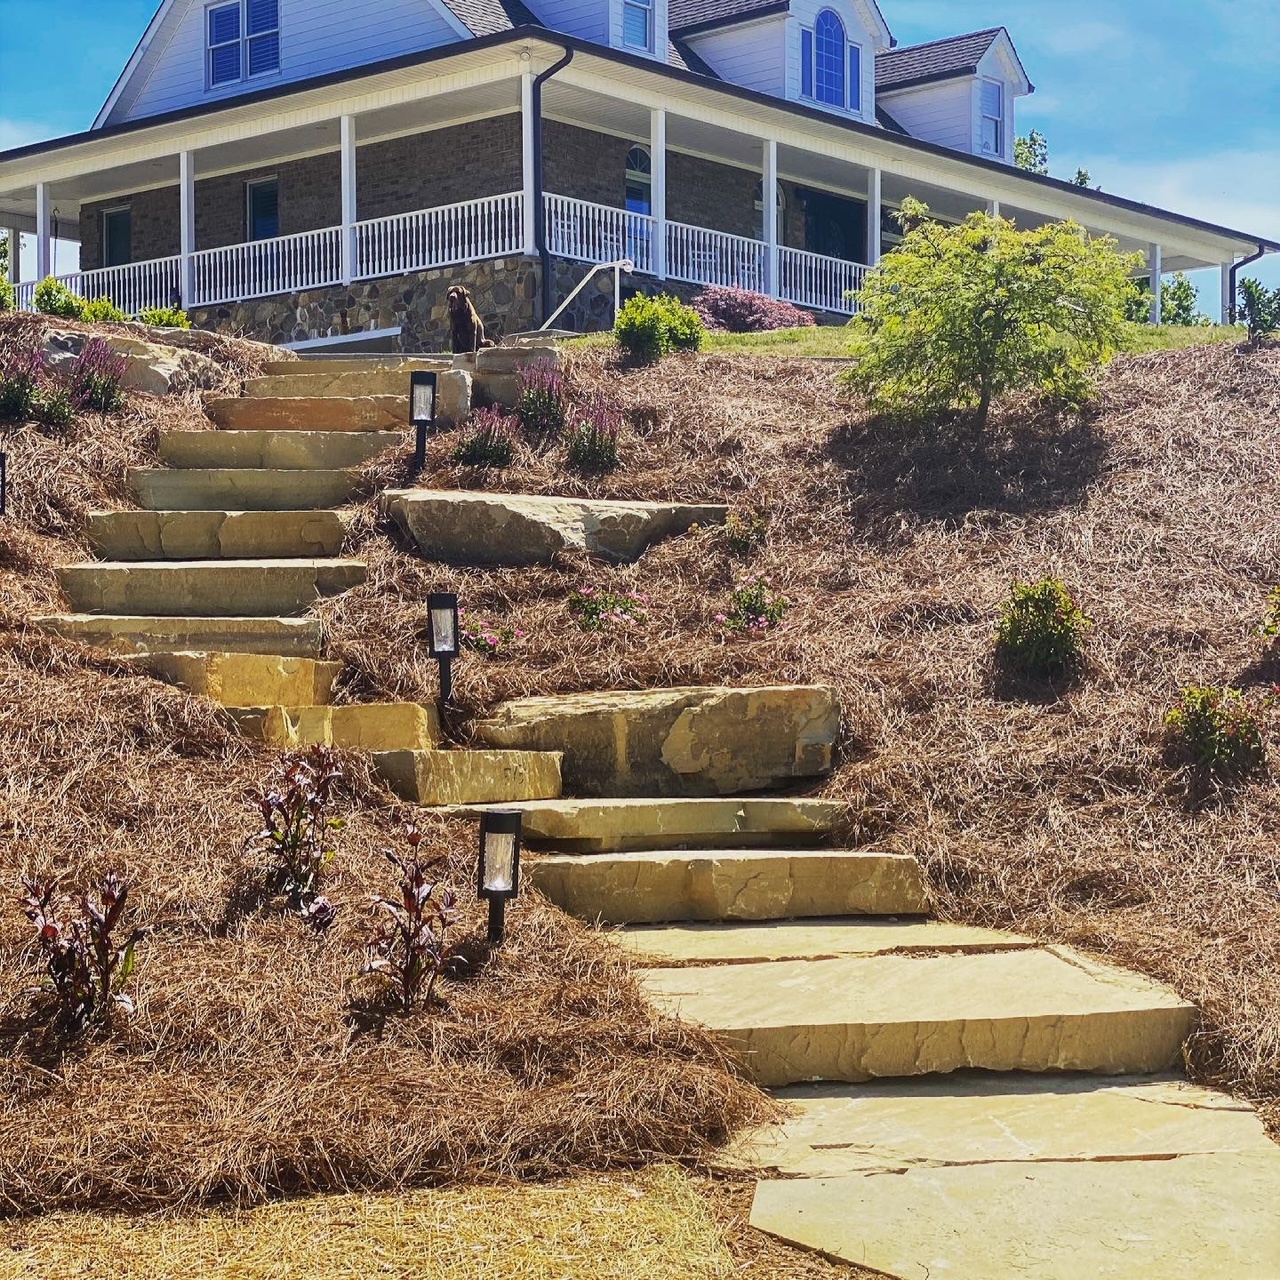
column 617, row 267
column 468, row 231
column 600, row 233
column 814, row 280
column 134, row 287
column 285, row 264
column 701, row 256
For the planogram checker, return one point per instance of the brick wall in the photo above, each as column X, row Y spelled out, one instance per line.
column 584, row 165
column 706, row 194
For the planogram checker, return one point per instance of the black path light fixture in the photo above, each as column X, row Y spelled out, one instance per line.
column 4, row 483
column 422, row 412
column 443, row 640
column 499, row 873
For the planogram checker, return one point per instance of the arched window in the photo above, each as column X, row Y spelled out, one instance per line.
column 829, row 59
column 639, row 180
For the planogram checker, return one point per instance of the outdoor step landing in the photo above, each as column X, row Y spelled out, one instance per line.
column 869, row 1016
column 312, row 413
column 365, row 726
column 141, row 633
column 215, row 535
column 356, row 364
column 276, row 450
column 245, row 679
column 315, row 382
column 211, row 588
column 621, row 826
column 460, row 778
column 649, row 887
column 240, row 489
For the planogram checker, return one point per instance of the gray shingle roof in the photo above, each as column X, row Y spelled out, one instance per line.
column 688, row 15
column 488, row 17
column 936, row 60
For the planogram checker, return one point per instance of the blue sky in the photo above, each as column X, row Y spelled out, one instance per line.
column 1175, row 102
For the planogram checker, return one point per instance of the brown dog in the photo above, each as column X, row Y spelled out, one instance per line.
column 466, row 329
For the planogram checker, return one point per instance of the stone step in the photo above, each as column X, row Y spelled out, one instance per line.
column 138, row 633
column 311, row 413
column 240, row 489
column 676, row 742
column 215, row 535
column 276, row 450
column 366, row 726
column 245, row 679
column 732, row 884
column 465, row 527
column 622, row 826
column 314, row 382
column 213, row 588
column 861, row 1017
column 470, row 777
column 329, row 365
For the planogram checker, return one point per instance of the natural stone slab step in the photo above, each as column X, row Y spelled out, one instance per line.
column 671, row 742
column 316, row 381
column 331, row 365
column 470, row 777
column 464, row 527
column 599, row 826
column 732, row 884
column 1195, row 1217
column 240, row 489
column 893, row 1126
column 215, row 535
column 136, row 633
column 312, row 413
column 214, row 588
column 245, row 679
column 276, row 450
column 367, row 726
column 703, row 944
column 862, row 1017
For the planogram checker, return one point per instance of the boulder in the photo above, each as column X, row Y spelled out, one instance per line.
column 676, row 742
column 149, row 366
column 453, row 397
column 517, row 529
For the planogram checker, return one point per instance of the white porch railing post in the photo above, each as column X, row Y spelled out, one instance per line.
column 15, row 256
column 1224, row 293
column 1157, row 273
column 187, row 227
column 658, row 189
column 528, row 124
column 350, row 258
column 875, row 206
column 769, row 198
column 44, row 244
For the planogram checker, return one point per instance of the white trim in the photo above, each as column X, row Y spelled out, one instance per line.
column 1156, row 262
column 186, row 224
column 769, row 198
column 350, row 215
column 528, row 125
column 1225, row 300
column 44, row 243
column 339, row 339
column 658, row 188
column 135, row 60
column 875, row 214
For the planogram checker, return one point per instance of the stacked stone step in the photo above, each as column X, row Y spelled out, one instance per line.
column 818, row 964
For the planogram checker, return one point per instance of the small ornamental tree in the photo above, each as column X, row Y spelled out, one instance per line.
column 1178, row 299
column 956, row 316
column 1041, row 631
column 1259, row 308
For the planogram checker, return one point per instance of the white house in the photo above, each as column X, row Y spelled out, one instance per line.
column 299, row 168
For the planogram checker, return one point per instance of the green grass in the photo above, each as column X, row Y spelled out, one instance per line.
column 1170, row 337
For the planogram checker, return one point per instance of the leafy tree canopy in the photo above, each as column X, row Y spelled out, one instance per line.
column 956, row 316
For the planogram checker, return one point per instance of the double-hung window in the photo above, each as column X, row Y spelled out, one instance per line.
column 992, row 118
column 830, row 64
column 637, row 24
column 243, row 39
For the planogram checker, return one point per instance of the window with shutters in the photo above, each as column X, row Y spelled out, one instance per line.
column 992, row 118
column 244, row 40
column 637, row 24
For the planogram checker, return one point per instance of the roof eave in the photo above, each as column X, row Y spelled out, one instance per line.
column 732, row 20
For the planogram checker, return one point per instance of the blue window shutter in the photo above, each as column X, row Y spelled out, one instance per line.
column 264, row 54
column 992, row 99
column 224, row 24
column 806, row 63
column 855, row 78
column 264, row 15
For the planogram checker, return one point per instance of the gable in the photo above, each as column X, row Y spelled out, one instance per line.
column 168, row 70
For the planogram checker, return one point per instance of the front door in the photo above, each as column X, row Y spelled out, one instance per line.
column 117, row 238
column 835, row 226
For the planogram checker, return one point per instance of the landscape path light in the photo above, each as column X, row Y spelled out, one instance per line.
column 4, row 483
column 443, row 640
column 499, row 872
column 422, row 413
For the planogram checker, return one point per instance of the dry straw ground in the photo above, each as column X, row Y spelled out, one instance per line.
column 1047, row 811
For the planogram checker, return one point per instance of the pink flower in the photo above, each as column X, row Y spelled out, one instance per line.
column 721, row 618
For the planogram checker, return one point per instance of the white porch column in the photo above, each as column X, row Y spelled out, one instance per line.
column 1224, row 292
column 187, row 227
column 15, row 256
column 993, row 207
column 44, row 244
column 769, row 198
column 1156, row 261
column 531, row 194
column 658, row 189
column 350, row 258
column 875, row 204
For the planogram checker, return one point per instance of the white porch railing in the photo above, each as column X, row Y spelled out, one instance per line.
column 133, row 288
column 699, row 256
column 465, row 232
column 286, row 264
column 586, row 232
column 812, row 280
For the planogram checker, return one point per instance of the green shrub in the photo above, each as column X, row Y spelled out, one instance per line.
column 103, row 311
column 648, row 328
column 591, row 443
column 745, row 530
column 1271, row 622
column 53, row 298
column 754, row 607
column 22, row 368
column 1259, row 308
column 54, row 408
column 598, row 610
column 8, row 298
column 1041, row 630
column 1178, row 299
column 165, row 317
column 541, row 404
column 492, row 441
column 1217, row 730
column 95, row 379
column 956, row 316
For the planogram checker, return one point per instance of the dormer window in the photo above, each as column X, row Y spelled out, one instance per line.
column 244, row 40
column 992, row 118
column 637, row 24
column 830, row 65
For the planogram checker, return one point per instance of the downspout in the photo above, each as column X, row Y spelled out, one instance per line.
column 1235, row 275
column 540, row 207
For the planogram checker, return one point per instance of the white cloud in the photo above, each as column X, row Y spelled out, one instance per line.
column 18, row 133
